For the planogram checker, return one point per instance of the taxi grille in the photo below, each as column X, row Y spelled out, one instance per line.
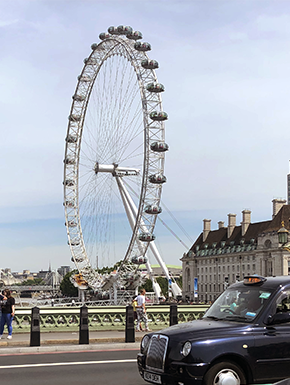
column 157, row 352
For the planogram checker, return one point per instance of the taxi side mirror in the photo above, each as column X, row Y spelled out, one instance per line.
column 278, row 318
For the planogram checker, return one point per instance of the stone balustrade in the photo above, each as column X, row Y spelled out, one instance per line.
column 100, row 318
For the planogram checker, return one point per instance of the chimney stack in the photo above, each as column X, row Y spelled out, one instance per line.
column 277, row 205
column 206, row 228
column 231, row 223
column 246, row 221
column 221, row 224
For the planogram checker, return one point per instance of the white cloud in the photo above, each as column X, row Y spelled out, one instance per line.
column 7, row 23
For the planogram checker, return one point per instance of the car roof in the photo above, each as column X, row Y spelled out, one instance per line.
column 269, row 283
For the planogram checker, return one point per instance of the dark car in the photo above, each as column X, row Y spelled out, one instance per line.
column 243, row 338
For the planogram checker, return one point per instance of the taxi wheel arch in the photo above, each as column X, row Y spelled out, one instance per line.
column 224, row 370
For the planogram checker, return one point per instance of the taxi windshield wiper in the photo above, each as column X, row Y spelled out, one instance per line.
column 236, row 318
column 213, row 317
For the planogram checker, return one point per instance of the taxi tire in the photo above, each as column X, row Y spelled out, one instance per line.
column 209, row 378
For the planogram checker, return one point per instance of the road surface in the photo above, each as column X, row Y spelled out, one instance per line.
column 73, row 368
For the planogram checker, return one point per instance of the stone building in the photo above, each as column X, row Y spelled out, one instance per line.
column 220, row 257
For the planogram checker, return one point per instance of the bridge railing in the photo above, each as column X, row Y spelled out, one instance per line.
column 100, row 318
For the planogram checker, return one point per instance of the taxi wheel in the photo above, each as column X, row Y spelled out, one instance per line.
column 225, row 373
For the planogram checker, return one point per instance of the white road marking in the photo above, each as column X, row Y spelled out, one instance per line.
column 67, row 363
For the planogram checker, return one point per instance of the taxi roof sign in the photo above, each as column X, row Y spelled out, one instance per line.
column 253, row 279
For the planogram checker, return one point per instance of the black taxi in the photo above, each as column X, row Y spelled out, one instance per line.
column 243, row 338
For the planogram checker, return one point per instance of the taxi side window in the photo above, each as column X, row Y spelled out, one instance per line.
column 283, row 303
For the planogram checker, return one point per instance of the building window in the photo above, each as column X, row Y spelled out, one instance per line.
column 233, row 268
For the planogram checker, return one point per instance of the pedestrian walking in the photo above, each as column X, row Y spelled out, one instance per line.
column 134, row 304
column 141, row 311
column 2, row 301
column 8, row 312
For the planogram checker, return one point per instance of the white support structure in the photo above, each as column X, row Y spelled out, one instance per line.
column 129, row 208
column 174, row 287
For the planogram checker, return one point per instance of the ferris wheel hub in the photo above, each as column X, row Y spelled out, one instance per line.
column 116, row 170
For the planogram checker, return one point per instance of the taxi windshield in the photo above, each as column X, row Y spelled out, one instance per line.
column 239, row 304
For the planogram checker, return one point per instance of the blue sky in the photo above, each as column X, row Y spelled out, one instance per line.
column 225, row 67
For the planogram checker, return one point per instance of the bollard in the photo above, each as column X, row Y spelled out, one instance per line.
column 173, row 316
column 35, row 327
column 130, row 328
column 84, row 326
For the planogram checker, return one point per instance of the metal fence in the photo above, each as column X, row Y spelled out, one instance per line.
column 100, row 318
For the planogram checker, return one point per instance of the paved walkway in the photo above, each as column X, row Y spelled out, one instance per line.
column 68, row 341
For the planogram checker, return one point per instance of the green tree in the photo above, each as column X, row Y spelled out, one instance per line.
column 32, row 282
column 66, row 287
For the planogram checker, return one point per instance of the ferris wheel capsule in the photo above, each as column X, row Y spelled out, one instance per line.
column 113, row 30
column 153, row 209
column 135, row 35
column 146, row 237
column 74, row 117
column 158, row 116
column 159, row 146
column 68, row 160
column 149, row 64
column 69, row 182
column 155, row 87
column 157, row 179
column 78, row 98
column 103, row 36
column 124, row 29
column 71, row 139
column 84, row 78
column 142, row 46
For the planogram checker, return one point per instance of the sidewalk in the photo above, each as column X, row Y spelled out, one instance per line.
column 68, row 341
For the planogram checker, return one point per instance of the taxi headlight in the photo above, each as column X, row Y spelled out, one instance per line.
column 145, row 342
column 186, row 348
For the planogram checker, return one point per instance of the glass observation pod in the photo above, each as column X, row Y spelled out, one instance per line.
column 157, row 178
column 153, row 209
column 135, row 35
column 78, row 98
column 84, row 78
column 72, row 224
column 146, row 237
column 69, row 182
column 69, row 161
column 74, row 118
column 158, row 116
column 159, row 146
column 139, row 260
column 124, row 29
column 155, row 87
column 69, row 204
column 74, row 242
column 90, row 61
column 150, row 64
column 71, row 139
column 142, row 46
column 113, row 30
column 77, row 259
column 102, row 36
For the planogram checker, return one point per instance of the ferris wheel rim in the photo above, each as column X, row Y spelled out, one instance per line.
column 73, row 128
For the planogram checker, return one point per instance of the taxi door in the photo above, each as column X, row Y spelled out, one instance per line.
column 272, row 343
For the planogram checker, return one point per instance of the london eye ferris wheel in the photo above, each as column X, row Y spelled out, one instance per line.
column 114, row 160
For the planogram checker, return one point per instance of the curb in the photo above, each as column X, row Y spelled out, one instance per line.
column 69, row 348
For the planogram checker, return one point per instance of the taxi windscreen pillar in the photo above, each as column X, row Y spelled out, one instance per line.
column 35, row 327
column 129, row 328
column 173, row 315
column 84, row 326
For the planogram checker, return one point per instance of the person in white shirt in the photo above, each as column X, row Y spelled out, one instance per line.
column 141, row 311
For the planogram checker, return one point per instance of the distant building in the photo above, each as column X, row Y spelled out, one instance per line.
column 63, row 270
column 220, row 257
